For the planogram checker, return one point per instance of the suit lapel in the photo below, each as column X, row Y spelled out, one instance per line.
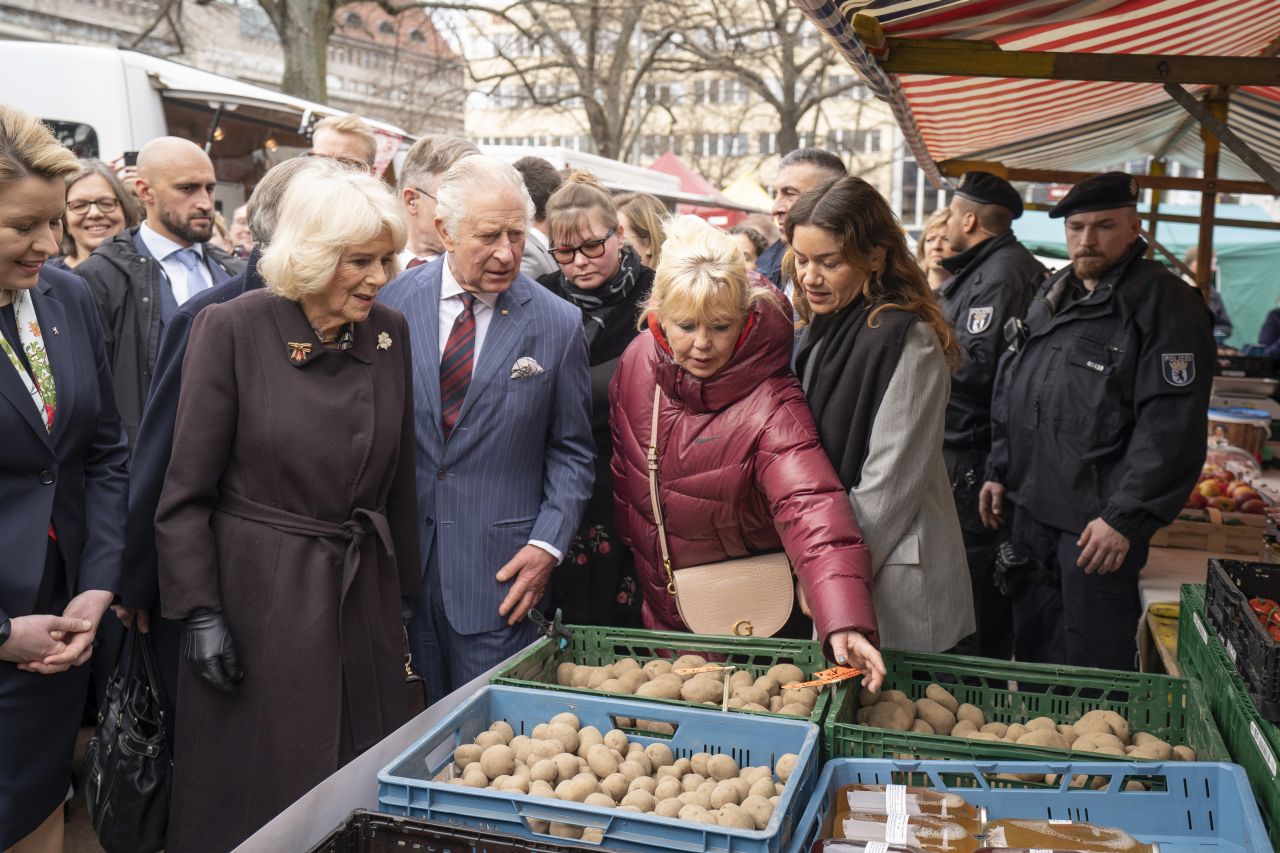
column 13, row 389
column 57, row 344
column 424, row 322
column 506, row 327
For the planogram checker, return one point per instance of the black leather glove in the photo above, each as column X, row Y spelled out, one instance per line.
column 207, row 645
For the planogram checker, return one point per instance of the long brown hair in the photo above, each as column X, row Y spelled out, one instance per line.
column 860, row 220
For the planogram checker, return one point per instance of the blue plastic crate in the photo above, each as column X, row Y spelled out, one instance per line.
column 404, row 786
column 1199, row 806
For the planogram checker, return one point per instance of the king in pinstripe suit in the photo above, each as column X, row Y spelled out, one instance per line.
column 505, row 460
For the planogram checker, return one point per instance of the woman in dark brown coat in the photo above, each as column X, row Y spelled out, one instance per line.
column 286, row 531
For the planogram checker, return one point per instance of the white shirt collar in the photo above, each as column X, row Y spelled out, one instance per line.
column 161, row 246
column 449, row 287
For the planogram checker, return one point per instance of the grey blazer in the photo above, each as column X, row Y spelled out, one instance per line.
column 904, row 505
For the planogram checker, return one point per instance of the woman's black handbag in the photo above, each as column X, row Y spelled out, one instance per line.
column 128, row 763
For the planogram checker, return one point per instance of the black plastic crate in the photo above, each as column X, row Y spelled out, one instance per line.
column 371, row 832
column 1231, row 583
column 1253, row 366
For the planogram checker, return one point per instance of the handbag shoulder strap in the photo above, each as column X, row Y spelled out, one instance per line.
column 653, row 490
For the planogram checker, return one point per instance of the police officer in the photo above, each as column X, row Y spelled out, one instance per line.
column 1098, row 427
column 993, row 280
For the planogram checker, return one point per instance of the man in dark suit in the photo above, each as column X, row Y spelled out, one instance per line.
column 798, row 172
column 503, row 408
column 139, row 585
column 141, row 276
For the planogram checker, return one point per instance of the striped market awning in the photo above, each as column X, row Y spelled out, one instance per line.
column 1063, row 124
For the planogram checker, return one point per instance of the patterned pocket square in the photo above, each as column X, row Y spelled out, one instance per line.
column 525, row 367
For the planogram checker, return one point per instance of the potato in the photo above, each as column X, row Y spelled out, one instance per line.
column 683, row 767
column 602, row 762
column 467, row 753
column 582, row 676
column 971, row 713
column 942, row 696
column 691, row 781
column 752, row 706
column 696, row 798
column 984, row 736
column 632, row 679
column 484, row 740
column 515, row 784
column 654, row 668
column 544, row 771
column 786, row 765
column 1015, row 731
column 538, row 788
column 760, row 810
column 564, row 830
column 921, row 727
column 659, row 754
column 1184, row 753
column 1042, row 723
column 742, row 786
column 702, row 690
column 1044, row 737
column 641, row 799
column 616, row 739
column 667, row 788
column 587, row 738
column 891, row 715
column 474, row 777
column 615, row 785
column 698, row 762
column 724, row 793
column 696, row 814
column 668, row 808
column 566, row 766
column 660, row 688
column 863, row 717
column 625, row 665
column 741, row 678
column 779, row 788
column 752, row 694
column 736, row 819
column 631, row 769
column 1118, row 724
column 753, row 774
column 688, row 662
column 721, row 767
column 760, row 788
column 965, row 728
column 998, row 729
column 498, row 760
column 599, row 676
column 613, row 685
column 707, row 788
column 503, row 728
column 544, row 749
column 805, row 696
column 866, row 698
column 1068, row 731
column 734, row 703
column 786, row 673
column 795, row 709
column 636, row 753
column 1154, row 750
column 897, row 697
column 768, row 684
column 938, row 717
column 566, row 734
column 564, row 674
column 1107, row 744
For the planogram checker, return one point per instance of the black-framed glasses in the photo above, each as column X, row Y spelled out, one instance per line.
column 591, row 249
column 106, row 204
column 424, row 192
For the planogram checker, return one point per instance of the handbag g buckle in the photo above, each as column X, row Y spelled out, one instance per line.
column 742, row 628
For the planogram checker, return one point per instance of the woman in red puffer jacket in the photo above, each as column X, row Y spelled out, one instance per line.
column 740, row 468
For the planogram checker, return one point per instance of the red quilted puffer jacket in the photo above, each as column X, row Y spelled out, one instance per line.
column 741, row 471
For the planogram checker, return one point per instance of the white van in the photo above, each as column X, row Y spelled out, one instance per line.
column 103, row 102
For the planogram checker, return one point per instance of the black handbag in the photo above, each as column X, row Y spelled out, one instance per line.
column 129, row 767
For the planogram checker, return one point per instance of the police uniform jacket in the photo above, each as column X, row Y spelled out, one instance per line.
column 991, row 283
column 1100, row 411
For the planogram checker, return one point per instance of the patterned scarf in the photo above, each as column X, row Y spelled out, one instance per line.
column 40, row 381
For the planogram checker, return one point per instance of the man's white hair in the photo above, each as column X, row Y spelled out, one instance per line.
column 473, row 179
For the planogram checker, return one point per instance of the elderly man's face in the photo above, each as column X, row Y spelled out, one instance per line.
column 485, row 253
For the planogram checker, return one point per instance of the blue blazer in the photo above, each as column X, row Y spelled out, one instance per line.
column 519, row 463
column 75, row 475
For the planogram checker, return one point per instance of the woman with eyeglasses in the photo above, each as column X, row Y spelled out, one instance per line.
column 98, row 208
column 604, row 277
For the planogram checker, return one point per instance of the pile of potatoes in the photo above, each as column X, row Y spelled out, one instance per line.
column 567, row 761
column 657, row 680
column 939, row 713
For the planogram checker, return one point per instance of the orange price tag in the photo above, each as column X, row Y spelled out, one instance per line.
column 827, row 676
column 694, row 670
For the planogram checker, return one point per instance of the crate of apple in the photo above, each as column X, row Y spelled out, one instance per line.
column 1220, row 489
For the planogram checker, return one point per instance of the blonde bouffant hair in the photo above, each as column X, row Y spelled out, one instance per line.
column 702, row 274
column 321, row 217
column 28, row 149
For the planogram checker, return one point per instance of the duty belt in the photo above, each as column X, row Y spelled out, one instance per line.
column 355, row 634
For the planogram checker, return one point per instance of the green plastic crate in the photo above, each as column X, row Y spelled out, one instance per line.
column 592, row 646
column 1253, row 743
column 1172, row 709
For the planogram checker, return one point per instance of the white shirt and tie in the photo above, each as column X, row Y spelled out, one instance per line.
column 483, row 308
column 184, row 266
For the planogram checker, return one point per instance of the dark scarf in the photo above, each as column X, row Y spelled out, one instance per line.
column 609, row 312
column 852, row 372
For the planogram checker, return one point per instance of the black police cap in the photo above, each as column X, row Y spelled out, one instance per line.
column 986, row 188
column 1100, row 192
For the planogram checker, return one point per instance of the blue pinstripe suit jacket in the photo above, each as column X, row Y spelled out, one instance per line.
column 519, row 464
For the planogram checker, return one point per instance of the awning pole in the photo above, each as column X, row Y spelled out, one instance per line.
column 1158, row 168
column 1217, row 104
column 1210, row 120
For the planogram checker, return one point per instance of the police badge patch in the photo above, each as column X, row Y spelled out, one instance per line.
column 979, row 319
column 1179, row 368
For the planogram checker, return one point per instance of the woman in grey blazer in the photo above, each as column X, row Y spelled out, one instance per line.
column 875, row 363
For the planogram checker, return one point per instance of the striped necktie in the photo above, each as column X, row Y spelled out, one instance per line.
column 455, row 366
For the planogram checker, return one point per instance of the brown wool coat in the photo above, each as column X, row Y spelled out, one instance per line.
column 320, row 438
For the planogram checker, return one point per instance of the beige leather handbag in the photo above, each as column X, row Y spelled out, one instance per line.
column 750, row 596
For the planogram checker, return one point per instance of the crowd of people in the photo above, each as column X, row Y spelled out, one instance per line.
column 393, row 421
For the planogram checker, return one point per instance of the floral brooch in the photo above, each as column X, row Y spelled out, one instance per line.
column 384, row 340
